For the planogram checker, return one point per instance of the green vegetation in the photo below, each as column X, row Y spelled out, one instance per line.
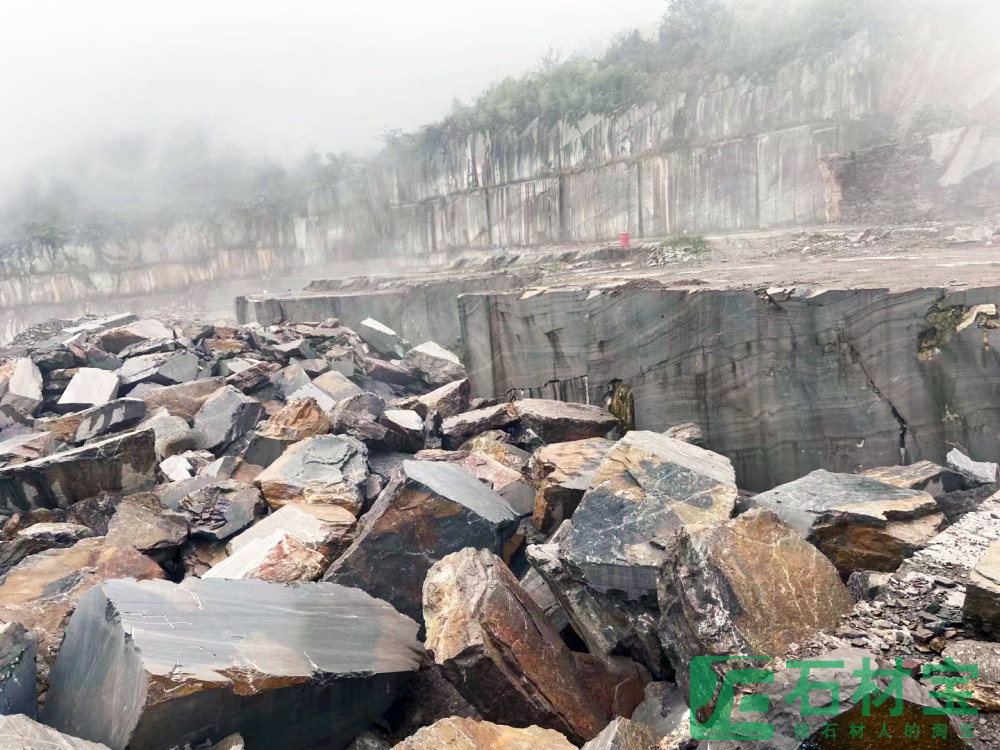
column 694, row 244
column 697, row 40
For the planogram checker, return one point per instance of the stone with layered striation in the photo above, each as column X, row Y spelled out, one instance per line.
column 753, row 585
column 427, row 511
column 923, row 475
column 27, row 447
column 225, row 416
column 183, row 400
column 162, row 368
column 448, row 400
column 114, row 416
column 124, row 463
column 114, row 340
column 645, row 489
column 20, row 732
column 89, row 387
column 984, row 472
column 216, row 509
column 382, row 339
column 876, row 535
column 42, row 591
column 562, row 421
column 18, row 673
column 507, row 483
column 801, row 502
column 39, row 537
column 280, row 557
column 160, row 665
column 459, row 428
column 457, row 733
column 297, row 420
column 326, row 469
column 335, row 385
column 562, row 472
column 495, row 645
column 623, row 734
column 144, row 522
column 984, row 688
column 434, row 364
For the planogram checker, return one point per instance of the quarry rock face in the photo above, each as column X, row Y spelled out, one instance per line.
column 498, row 649
column 470, row 734
column 427, row 511
column 327, row 470
column 124, row 463
column 278, row 657
column 749, row 586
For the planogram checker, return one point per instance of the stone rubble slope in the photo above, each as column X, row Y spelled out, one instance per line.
column 303, row 535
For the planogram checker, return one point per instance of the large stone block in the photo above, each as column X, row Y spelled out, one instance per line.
column 562, row 421
column 427, row 511
column 225, row 416
column 279, row 558
column 753, row 585
column 327, row 470
column 124, row 463
column 185, row 399
column 215, row 509
column 382, row 339
column 18, row 732
column 434, row 364
column 497, row 648
column 157, row 665
column 89, row 387
column 645, row 489
column 326, row 528
column 18, row 672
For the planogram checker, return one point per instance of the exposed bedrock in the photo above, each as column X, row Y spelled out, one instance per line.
column 782, row 382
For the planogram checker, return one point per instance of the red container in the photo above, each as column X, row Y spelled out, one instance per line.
column 623, row 239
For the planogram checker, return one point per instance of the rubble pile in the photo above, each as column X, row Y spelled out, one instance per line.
column 303, row 535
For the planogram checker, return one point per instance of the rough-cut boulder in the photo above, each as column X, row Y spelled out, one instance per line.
column 495, row 645
column 19, row 732
column 39, row 537
column 407, row 426
column 173, row 435
column 434, row 364
column 114, row 416
column 427, row 511
column 183, row 400
column 164, row 368
column 801, row 502
column 42, row 591
column 876, row 535
column 923, row 475
column 469, row 734
column 297, row 420
column 23, row 389
column 985, row 472
column 562, row 421
column 448, row 400
column 509, row 484
column 982, row 594
column 142, row 521
column 225, row 416
column 327, row 469
column 336, row 385
column 18, row 673
column 651, row 485
column 327, row 529
column 124, row 463
column 382, row 339
column 158, row 665
column 623, row 734
column 217, row 509
column 985, row 687
column 115, row 340
column 562, row 473
column 89, row 387
column 750, row 586
column 459, row 428
column 279, row 558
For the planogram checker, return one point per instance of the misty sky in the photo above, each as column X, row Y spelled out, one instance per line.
column 273, row 77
